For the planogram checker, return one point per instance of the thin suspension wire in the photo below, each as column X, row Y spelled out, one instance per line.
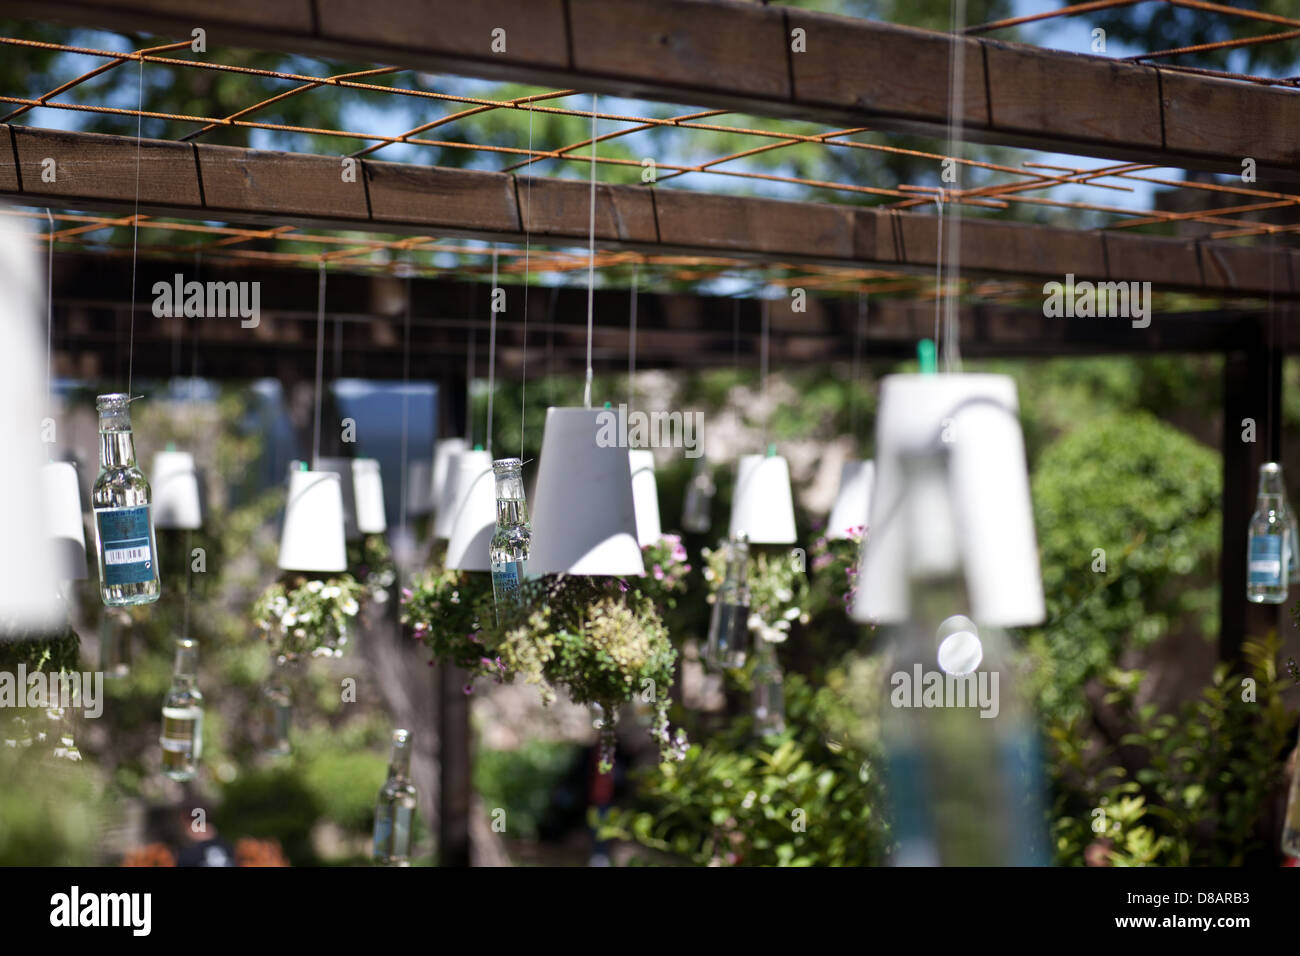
column 763, row 366
column 956, row 115
column 49, row 320
column 591, row 256
column 492, row 357
column 859, row 327
column 938, row 268
column 135, row 237
column 528, row 236
column 194, row 398
column 320, row 361
column 406, row 399
column 631, row 344
column 471, row 365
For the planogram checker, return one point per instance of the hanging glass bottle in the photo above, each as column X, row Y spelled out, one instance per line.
column 277, row 708
column 121, row 498
column 961, row 748
column 509, row 547
column 769, row 690
column 728, row 643
column 182, row 713
column 396, row 807
column 697, row 508
column 1266, row 570
column 115, row 643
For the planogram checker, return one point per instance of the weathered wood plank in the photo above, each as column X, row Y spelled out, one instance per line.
column 433, row 197
column 269, row 183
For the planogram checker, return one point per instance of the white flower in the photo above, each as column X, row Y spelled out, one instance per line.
column 304, row 617
column 350, row 607
column 314, row 586
column 288, row 619
column 331, row 592
column 791, row 614
column 784, row 594
column 755, row 623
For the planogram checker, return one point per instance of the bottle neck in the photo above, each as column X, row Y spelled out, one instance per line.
column 399, row 764
column 737, row 580
column 116, row 447
column 1272, row 493
column 185, row 668
column 512, row 506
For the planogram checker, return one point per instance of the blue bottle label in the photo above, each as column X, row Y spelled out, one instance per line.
column 506, row 578
column 124, row 545
column 1264, row 563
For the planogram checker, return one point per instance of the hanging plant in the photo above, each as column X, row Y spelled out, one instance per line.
column 778, row 588
column 370, row 561
column 442, row 609
column 600, row 640
column 834, row 571
column 666, row 571
column 308, row 617
column 41, row 720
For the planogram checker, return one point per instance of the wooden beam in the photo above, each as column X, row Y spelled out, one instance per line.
column 740, row 56
column 96, row 171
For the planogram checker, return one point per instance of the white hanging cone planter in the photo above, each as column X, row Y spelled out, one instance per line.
column 645, row 496
column 27, row 574
column 419, row 485
column 852, row 504
column 976, row 418
column 474, row 514
column 445, row 512
column 762, row 506
column 444, row 453
column 62, row 499
column 369, row 487
column 174, row 481
column 312, row 538
column 347, row 488
column 584, row 518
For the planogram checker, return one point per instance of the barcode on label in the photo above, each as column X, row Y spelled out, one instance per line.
column 126, row 555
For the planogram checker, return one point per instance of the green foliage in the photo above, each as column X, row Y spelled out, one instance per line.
column 1148, row 496
column 1189, row 788
column 805, row 797
column 443, row 609
column 778, row 589
column 51, row 814
column 522, row 781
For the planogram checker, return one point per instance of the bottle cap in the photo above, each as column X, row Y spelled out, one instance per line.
column 925, row 356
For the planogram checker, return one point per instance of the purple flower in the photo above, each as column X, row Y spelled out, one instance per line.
column 469, row 689
column 658, row 572
column 407, row 594
column 421, row 628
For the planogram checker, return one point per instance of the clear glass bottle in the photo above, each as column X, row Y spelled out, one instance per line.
column 277, row 707
column 508, row 549
column 1266, row 554
column 769, row 690
column 728, row 643
column 396, row 807
column 182, row 713
column 961, row 750
column 115, row 643
column 121, row 499
column 697, row 508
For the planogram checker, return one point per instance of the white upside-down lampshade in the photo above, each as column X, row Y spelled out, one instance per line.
column 444, row 453
column 645, row 496
column 62, row 500
column 444, row 515
column 584, row 518
column 762, row 506
column 28, row 583
column 347, row 488
column 474, row 515
column 312, row 538
column 852, row 504
column 975, row 418
column 369, row 488
column 174, row 481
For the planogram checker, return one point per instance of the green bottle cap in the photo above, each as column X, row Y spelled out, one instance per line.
column 478, row 447
column 771, row 450
column 302, row 466
column 608, row 405
column 925, row 356
column 171, row 446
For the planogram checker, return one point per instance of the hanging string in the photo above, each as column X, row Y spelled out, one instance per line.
column 858, row 328
column 135, row 224
column 492, row 356
column 528, row 235
column 956, row 117
column 406, row 399
column 763, row 365
column 49, row 320
column 631, row 344
column 194, row 378
column 320, row 361
column 471, row 364
column 591, row 256
column 938, row 269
